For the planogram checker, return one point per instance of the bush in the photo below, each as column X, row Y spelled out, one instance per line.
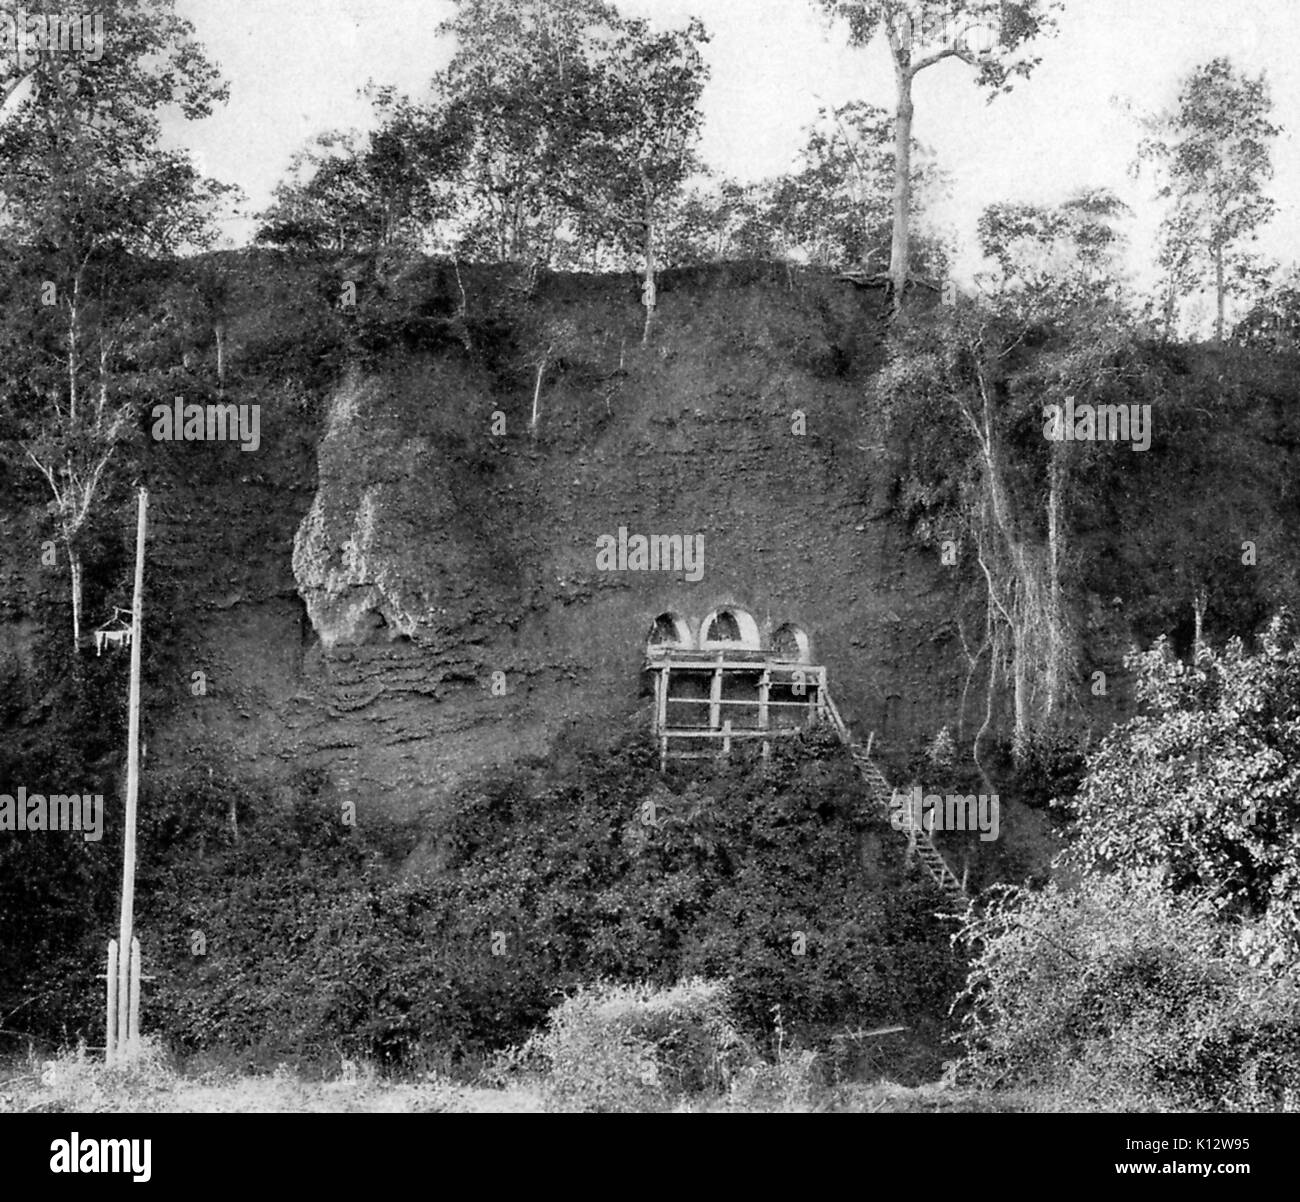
column 607, row 870
column 589, row 866
column 1126, row 992
column 634, row 1047
column 787, row 1085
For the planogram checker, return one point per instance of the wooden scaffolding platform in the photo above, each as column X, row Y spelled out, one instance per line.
column 717, row 698
column 705, row 701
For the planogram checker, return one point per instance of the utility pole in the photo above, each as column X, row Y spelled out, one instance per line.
column 128, row 968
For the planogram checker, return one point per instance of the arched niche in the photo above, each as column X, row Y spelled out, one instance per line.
column 791, row 642
column 729, row 627
column 669, row 630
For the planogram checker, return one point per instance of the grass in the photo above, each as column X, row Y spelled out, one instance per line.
column 79, row 1082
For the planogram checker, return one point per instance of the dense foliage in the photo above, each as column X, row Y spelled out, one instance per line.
column 1125, row 995
column 1204, row 787
column 589, row 867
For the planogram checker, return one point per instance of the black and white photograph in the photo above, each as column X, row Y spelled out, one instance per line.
column 649, row 557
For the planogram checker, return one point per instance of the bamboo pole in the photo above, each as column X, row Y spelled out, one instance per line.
column 133, row 1016
column 124, row 1046
column 110, row 989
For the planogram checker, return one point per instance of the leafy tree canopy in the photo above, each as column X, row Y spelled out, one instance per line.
column 1205, row 785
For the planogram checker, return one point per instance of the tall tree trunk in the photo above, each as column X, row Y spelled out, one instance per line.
column 1023, row 582
column 221, row 358
column 103, row 380
column 537, row 395
column 73, row 352
column 648, row 296
column 1052, row 669
column 1020, row 735
column 901, row 247
column 1219, row 289
column 74, row 560
column 1171, row 302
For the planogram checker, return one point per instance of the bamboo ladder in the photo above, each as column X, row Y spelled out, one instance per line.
column 882, row 793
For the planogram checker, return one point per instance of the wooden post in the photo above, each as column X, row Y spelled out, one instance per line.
column 656, row 722
column 715, row 701
column 110, row 1024
column 726, row 737
column 124, row 936
column 662, row 685
column 764, row 695
column 133, row 1017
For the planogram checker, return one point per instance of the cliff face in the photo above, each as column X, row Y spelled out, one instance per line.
column 351, row 591
column 401, row 586
column 450, row 571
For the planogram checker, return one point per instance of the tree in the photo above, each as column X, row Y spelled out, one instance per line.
column 637, row 132
column 554, row 340
column 991, row 36
column 831, row 209
column 718, row 220
column 1057, row 258
column 577, row 130
column 328, row 200
column 520, row 88
column 1274, row 321
column 1202, row 785
column 1057, row 280
column 836, row 204
column 86, row 186
column 1214, row 152
column 966, row 386
column 835, row 208
column 389, row 189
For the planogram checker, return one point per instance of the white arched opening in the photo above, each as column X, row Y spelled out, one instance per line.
column 729, row 627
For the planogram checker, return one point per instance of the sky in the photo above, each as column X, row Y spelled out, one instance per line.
column 295, row 68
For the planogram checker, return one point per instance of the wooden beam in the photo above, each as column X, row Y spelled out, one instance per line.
column 693, row 662
column 662, row 685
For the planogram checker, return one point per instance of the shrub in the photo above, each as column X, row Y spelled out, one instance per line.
column 74, row 1083
column 1122, row 985
column 635, row 1047
column 787, row 1085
